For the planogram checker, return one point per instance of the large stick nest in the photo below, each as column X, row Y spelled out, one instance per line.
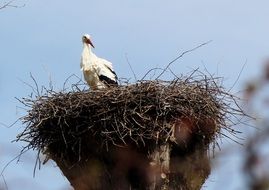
column 81, row 123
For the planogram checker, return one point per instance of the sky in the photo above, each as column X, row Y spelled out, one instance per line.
column 44, row 38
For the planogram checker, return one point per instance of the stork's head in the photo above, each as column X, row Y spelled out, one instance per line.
column 86, row 38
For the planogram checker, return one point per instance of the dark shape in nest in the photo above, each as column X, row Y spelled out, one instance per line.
column 81, row 124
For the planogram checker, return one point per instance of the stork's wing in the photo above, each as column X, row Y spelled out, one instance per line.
column 112, row 71
column 107, row 80
column 105, row 72
column 106, row 63
column 107, row 67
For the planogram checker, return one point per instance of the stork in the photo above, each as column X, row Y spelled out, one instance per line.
column 97, row 72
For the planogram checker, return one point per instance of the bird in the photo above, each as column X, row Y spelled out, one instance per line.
column 98, row 72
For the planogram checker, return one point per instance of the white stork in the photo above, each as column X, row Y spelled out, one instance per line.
column 97, row 72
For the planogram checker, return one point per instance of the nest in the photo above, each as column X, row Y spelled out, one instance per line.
column 78, row 124
column 153, row 134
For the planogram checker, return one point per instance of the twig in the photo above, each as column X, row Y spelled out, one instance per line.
column 15, row 158
column 3, row 177
column 37, row 162
column 9, row 4
column 181, row 55
column 11, row 125
column 36, row 85
column 149, row 71
column 127, row 60
column 238, row 76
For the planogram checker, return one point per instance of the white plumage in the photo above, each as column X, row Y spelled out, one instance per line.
column 97, row 72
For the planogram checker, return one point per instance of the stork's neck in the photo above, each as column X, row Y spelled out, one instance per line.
column 87, row 56
column 87, row 48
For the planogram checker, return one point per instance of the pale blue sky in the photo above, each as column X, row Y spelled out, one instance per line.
column 44, row 38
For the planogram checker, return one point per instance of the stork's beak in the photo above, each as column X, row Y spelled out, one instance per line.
column 88, row 41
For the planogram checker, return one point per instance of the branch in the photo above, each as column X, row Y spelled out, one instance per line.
column 181, row 55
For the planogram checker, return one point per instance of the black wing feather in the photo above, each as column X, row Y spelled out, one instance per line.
column 116, row 77
column 107, row 80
